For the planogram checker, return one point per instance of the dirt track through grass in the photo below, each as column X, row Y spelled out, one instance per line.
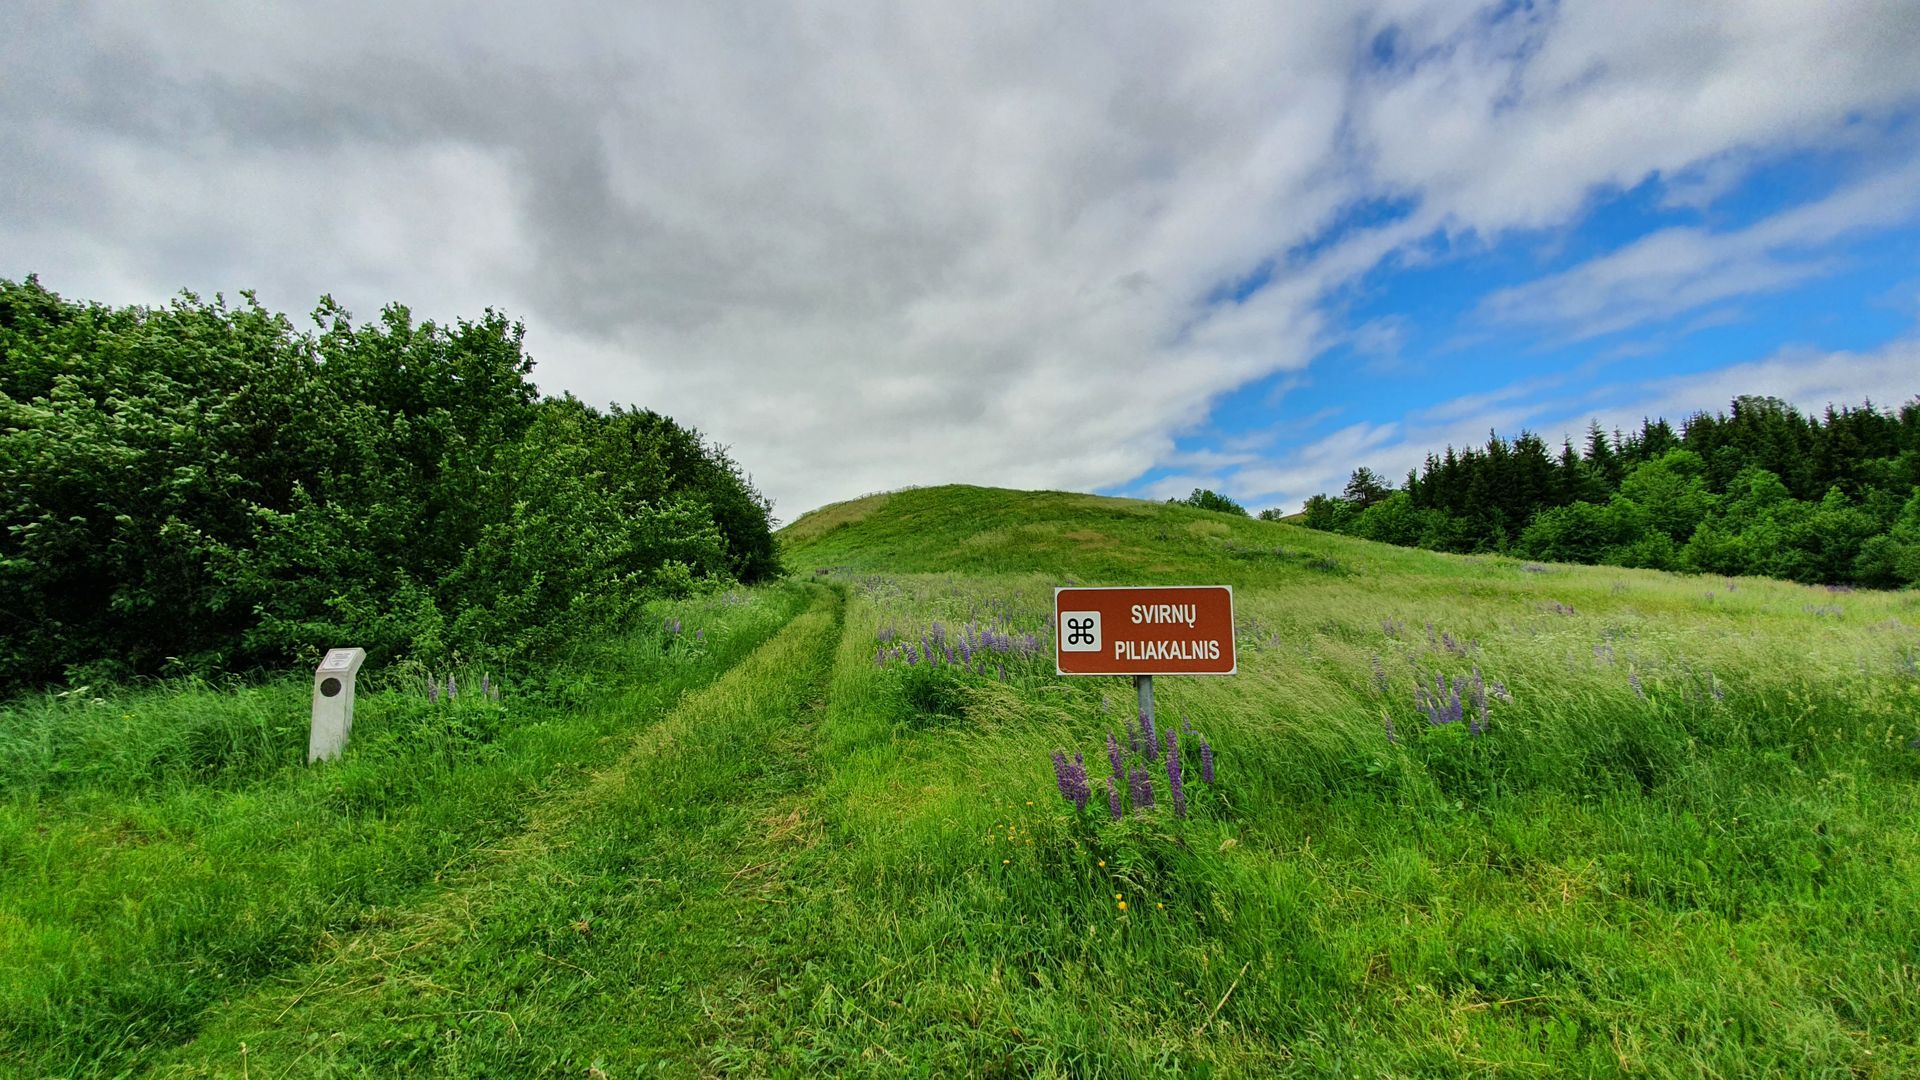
column 610, row 935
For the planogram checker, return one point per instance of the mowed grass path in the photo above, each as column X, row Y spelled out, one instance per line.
column 616, row 934
column 164, row 850
column 1685, row 844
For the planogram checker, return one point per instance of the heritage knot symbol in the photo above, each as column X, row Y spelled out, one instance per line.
column 1080, row 631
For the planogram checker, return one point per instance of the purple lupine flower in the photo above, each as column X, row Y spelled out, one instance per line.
column 1077, row 775
column 1113, row 798
column 433, row 690
column 485, row 686
column 1441, row 704
column 939, row 633
column 1133, row 737
column 1633, row 680
column 1140, row 787
column 1146, row 729
column 700, row 634
column 1499, row 690
column 1431, row 702
column 453, row 688
column 1206, row 762
column 1718, row 694
column 1173, row 775
column 1392, row 736
column 1479, row 701
column 1060, row 775
column 880, row 657
column 1113, row 755
column 496, row 691
column 1000, row 672
column 1379, row 675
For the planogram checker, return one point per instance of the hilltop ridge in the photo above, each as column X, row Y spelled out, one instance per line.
column 959, row 527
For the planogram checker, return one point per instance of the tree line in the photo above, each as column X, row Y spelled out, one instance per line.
column 202, row 487
column 1762, row 489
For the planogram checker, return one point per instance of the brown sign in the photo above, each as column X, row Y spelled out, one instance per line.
column 1174, row 630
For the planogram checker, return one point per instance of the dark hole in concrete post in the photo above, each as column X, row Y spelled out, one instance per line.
column 329, row 687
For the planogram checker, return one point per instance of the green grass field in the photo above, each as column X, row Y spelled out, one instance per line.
column 1685, row 843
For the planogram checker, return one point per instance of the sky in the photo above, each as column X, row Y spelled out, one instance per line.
column 1134, row 249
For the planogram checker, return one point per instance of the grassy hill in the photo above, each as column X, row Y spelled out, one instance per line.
column 1671, row 834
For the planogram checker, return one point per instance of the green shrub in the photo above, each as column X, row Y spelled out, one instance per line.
column 200, row 487
column 1207, row 499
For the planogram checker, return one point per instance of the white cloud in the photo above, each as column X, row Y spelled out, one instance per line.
column 1314, row 467
column 878, row 245
column 1809, row 378
column 1517, row 121
column 1677, row 270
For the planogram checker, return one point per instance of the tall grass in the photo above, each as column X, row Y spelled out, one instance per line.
column 164, row 848
column 1682, row 844
column 1677, row 850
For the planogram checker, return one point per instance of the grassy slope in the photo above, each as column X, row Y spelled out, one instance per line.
column 820, row 864
column 1707, row 874
column 164, row 850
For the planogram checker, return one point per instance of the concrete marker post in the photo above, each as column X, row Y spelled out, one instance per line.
column 333, row 703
